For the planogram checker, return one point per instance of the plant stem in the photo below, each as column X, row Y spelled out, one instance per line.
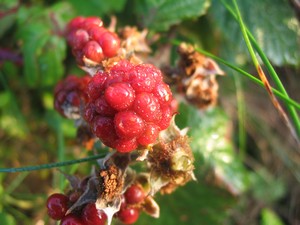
column 292, row 111
column 50, row 165
column 264, row 79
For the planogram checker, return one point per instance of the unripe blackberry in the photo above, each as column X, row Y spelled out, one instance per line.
column 57, row 206
column 90, row 41
column 128, row 215
column 70, row 95
column 128, row 105
column 92, row 216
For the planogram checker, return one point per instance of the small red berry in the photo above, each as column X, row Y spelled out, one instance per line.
column 120, row 96
column 92, row 216
column 77, row 39
column 57, row 205
column 128, row 124
column 110, row 43
column 93, row 51
column 92, row 20
column 123, row 145
column 71, row 219
column 128, row 215
column 149, row 135
column 134, row 194
column 147, row 107
column 103, row 127
column 75, row 23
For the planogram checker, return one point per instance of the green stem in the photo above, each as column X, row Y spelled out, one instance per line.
column 251, row 77
column 241, row 117
column 61, row 154
column 292, row 111
column 50, row 165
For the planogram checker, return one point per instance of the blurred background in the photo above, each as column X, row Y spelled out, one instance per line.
column 247, row 163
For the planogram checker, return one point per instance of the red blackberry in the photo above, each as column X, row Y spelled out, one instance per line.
column 134, row 195
column 69, row 95
column 90, row 41
column 128, row 105
column 128, row 215
column 92, row 216
column 57, row 206
column 71, row 219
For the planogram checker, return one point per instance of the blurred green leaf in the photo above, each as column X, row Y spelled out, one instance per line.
column 96, row 7
column 269, row 217
column 276, row 29
column 43, row 46
column 161, row 14
column 194, row 204
column 267, row 187
column 210, row 132
column 7, row 219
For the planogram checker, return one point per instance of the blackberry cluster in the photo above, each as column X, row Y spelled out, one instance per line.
column 124, row 103
column 90, row 41
column 70, row 95
column 128, row 105
column 58, row 205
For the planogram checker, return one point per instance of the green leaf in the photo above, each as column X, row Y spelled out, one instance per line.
column 51, row 61
column 213, row 149
column 273, row 24
column 43, row 47
column 7, row 219
column 96, row 7
column 269, row 217
column 194, row 204
column 161, row 14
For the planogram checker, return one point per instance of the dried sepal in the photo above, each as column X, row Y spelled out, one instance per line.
column 134, row 40
column 89, row 194
column 151, row 207
column 114, row 178
column 195, row 77
column 171, row 160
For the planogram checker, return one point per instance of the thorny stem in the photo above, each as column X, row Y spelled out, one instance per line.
column 50, row 165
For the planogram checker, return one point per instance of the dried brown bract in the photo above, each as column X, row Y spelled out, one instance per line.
column 171, row 160
column 196, row 77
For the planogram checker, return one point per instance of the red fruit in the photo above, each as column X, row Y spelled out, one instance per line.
column 123, row 145
column 120, row 96
column 135, row 101
column 96, row 32
column 75, row 23
column 96, row 85
column 103, row 108
column 92, row 20
column 57, row 206
column 71, row 219
column 103, row 127
column 134, row 195
column 128, row 125
column 147, row 107
column 69, row 95
column 92, row 216
column 167, row 116
column 77, row 39
column 128, row 215
column 110, row 43
column 93, row 51
column 149, row 135
column 163, row 93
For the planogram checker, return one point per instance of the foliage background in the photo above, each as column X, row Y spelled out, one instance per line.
column 247, row 164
